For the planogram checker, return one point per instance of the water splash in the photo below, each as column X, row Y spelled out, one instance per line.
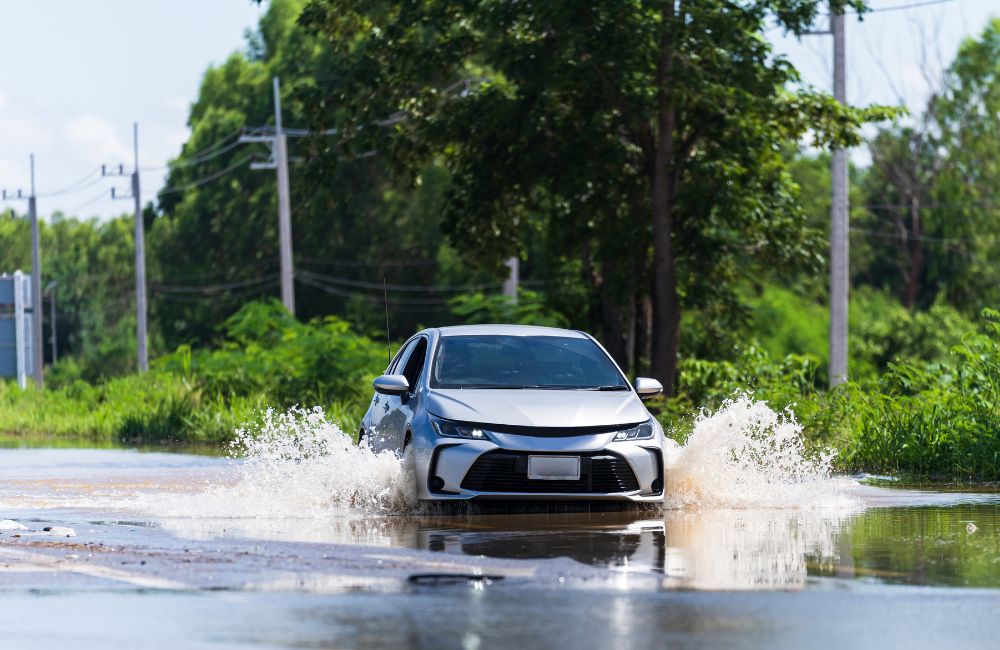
column 300, row 465
column 747, row 454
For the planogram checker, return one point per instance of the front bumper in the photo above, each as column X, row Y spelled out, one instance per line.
column 458, row 469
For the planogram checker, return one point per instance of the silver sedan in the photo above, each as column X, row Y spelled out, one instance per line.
column 517, row 412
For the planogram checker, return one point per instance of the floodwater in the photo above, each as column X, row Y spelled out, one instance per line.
column 173, row 550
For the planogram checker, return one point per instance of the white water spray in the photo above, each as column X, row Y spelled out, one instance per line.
column 299, row 464
column 746, row 454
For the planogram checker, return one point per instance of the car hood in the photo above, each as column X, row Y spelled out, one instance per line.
column 538, row 408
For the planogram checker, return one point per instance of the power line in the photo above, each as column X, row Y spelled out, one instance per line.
column 904, row 7
column 209, row 289
column 983, row 205
column 896, row 235
column 89, row 202
column 202, row 154
column 422, row 288
column 76, row 185
column 366, row 263
column 230, row 296
column 375, row 299
column 396, row 118
column 180, row 163
column 209, row 178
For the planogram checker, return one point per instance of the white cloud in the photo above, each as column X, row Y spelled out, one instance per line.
column 96, row 138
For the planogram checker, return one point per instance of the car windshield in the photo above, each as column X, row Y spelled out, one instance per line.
column 544, row 362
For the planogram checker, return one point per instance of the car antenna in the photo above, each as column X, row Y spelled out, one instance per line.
column 385, row 301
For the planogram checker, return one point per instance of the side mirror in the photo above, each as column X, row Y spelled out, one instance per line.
column 391, row 384
column 647, row 387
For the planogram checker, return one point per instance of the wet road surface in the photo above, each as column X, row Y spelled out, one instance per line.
column 152, row 565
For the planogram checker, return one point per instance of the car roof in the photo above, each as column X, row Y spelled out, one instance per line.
column 508, row 330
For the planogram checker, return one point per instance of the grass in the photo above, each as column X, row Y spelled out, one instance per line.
column 157, row 408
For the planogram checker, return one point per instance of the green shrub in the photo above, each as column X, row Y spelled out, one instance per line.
column 265, row 359
column 938, row 419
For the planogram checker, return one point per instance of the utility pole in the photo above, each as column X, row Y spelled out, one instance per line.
column 36, row 283
column 838, row 220
column 279, row 162
column 839, row 267
column 510, row 285
column 142, row 346
column 141, row 309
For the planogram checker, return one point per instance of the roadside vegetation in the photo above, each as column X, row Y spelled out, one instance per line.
column 417, row 234
column 265, row 358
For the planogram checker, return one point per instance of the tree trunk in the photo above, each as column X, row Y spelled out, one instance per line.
column 916, row 254
column 615, row 319
column 665, row 301
column 644, row 334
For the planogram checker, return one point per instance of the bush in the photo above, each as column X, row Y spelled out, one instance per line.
column 882, row 331
column 939, row 420
column 266, row 358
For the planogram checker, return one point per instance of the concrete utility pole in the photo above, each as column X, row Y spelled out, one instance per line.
column 141, row 308
column 141, row 311
column 839, row 279
column 36, row 283
column 279, row 162
column 510, row 285
column 284, row 206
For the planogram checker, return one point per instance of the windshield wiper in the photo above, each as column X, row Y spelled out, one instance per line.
column 487, row 386
column 572, row 387
column 537, row 387
column 550, row 387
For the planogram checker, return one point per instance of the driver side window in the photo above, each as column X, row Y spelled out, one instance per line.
column 414, row 365
column 398, row 363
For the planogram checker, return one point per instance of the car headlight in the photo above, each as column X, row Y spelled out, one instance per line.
column 450, row 429
column 642, row 431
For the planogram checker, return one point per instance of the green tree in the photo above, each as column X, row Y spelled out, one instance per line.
column 932, row 189
column 641, row 138
column 215, row 242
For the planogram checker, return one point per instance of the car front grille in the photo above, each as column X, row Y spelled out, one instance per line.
column 506, row 471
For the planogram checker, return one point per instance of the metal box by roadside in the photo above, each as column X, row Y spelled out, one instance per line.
column 16, row 314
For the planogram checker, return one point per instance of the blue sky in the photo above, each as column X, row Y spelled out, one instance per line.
column 76, row 75
column 893, row 56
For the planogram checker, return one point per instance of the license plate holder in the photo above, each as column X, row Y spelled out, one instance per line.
column 554, row 468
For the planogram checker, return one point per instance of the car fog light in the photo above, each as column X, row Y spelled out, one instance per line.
column 437, row 483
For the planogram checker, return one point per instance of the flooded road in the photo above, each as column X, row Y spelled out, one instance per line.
column 173, row 550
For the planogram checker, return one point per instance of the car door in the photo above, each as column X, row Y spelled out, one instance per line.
column 379, row 430
column 404, row 406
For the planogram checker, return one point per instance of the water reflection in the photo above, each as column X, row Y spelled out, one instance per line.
column 714, row 549
column 758, row 549
column 611, row 540
column 956, row 545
